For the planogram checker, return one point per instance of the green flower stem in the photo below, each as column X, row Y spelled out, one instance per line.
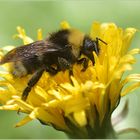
column 104, row 131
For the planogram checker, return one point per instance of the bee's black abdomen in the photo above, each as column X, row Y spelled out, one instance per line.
column 32, row 64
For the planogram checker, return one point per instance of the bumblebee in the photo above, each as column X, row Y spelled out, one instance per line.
column 58, row 52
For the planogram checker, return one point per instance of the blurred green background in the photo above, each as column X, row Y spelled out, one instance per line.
column 80, row 14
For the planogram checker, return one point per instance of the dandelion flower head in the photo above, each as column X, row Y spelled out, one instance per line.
column 86, row 105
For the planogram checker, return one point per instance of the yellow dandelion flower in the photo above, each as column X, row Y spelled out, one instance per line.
column 82, row 109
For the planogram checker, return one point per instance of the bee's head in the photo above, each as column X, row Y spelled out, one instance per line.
column 89, row 46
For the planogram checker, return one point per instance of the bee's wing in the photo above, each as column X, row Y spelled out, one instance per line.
column 32, row 50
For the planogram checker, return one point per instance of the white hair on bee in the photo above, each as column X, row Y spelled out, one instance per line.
column 18, row 69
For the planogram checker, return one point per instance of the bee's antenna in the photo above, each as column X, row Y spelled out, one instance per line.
column 101, row 40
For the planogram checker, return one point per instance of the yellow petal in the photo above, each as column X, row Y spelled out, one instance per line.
column 56, row 94
column 128, row 35
column 53, row 103
column 42, row 95
column 80, row 117
column 22, row 35
column 24, row 121
column 48, row 117
column 95, row 30
column 134, row 51
column 39, row 34
column 8, row 48
column 130, row 88
column 75, row 82
column 130, row 78
column 103, row 104
column 9, row 107
column 9, row 86
column 6, row 76
column 75, row 104
column 65, row 25
column 23, row 105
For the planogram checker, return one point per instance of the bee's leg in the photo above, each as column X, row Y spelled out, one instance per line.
column 71, row 74
column 36, row 76
column 84, row 62
column 64, row 64
column 51, row 70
